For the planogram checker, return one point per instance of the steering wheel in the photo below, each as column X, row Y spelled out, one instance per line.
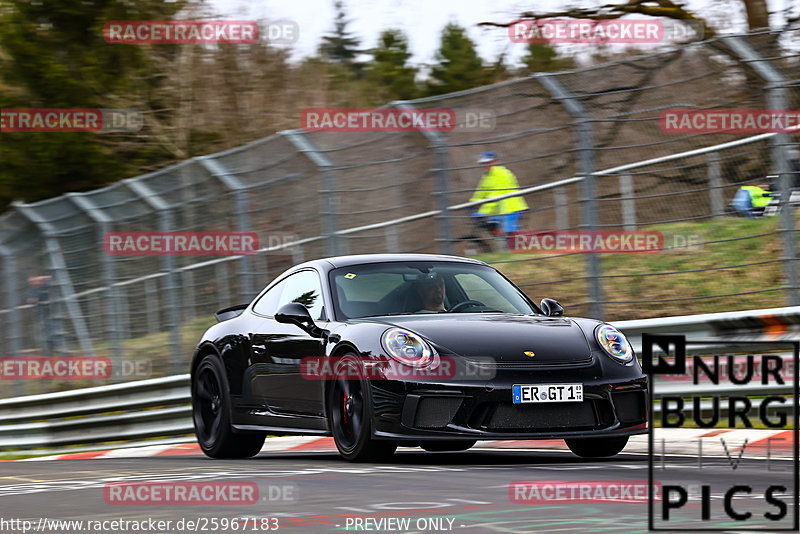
column 466, row 303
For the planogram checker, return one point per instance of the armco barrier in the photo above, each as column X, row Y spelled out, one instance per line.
column 150, row 408
column 159, row 407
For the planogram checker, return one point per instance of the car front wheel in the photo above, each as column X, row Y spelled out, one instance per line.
column 597, row 447
column 211, row 414
column 349, row 415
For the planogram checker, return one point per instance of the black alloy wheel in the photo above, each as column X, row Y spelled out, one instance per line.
column 349, row 415
column 211, row 415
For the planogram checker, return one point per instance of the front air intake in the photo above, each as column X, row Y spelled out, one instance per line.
column 436, row 412
column 631, row 406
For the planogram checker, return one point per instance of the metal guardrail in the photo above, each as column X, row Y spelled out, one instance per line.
column 132, row 410
column 741, row 326
column 159, row 407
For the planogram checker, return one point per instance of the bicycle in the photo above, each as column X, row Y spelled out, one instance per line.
column 486, row 235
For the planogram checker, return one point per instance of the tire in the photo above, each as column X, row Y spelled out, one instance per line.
column 211, row 409
column 597, row 447
column 350, row 416
column 447, row 445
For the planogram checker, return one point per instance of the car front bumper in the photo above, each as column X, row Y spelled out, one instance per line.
column 419, row 411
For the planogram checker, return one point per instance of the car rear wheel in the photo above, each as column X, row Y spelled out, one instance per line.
column 349, row 415
column 597, row 447
column 447, row 445
column 211, row 414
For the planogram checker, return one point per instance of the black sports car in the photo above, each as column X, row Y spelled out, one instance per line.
column 423, row 350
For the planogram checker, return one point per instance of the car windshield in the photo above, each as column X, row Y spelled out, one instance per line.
column 394, row 288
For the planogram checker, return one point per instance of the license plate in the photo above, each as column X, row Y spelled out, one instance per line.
column 547, row 393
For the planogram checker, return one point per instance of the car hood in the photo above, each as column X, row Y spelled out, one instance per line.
column 505, row 338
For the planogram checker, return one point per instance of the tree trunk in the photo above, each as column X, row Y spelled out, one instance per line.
column 757, row 14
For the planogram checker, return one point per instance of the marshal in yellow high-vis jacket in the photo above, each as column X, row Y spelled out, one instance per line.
column 497, row 181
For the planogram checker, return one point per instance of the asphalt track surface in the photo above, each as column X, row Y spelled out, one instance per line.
column 435, row 492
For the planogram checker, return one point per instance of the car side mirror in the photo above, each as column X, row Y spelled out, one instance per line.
column 551, row 308
column 295, row 313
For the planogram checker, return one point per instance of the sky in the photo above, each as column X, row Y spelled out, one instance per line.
column 423, row 20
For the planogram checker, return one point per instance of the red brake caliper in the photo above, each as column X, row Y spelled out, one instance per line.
column 344, row 406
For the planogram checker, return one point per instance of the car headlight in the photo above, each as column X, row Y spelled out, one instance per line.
column 614, row 343
column 406, row 347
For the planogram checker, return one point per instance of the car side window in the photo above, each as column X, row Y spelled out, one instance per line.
column 268, row 303
column 303, row 287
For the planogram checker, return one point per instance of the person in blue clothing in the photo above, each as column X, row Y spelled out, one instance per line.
column 497, row 180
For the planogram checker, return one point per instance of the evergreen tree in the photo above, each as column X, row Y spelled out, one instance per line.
column 341, row 46
column 53, row 55
column 458, row 64
column 543, row 57
column 389, row 67
column 498, row 71
column 540, row 57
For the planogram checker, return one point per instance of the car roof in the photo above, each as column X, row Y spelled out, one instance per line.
column 335, row 262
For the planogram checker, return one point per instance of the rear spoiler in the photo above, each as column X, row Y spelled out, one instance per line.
column 229, row 313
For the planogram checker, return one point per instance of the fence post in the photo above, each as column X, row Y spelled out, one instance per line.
column 172, row 312
column 439, row 145
column 11, row 318
column 124, row 315
column 237, row 188
column 187, row 281
column 171, row 289
column 223, row 292
column 113, row 308
column 151, row 305
column 440, row 149
column 10, row 273
column 392, row 243
column 318, row 158
column 586, row 144
column 715, row 184
column 562, row 209
column 776, row 99
column 61, row 278
column 628, row 202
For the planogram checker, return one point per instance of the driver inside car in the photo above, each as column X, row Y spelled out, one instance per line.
column 431, row 292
